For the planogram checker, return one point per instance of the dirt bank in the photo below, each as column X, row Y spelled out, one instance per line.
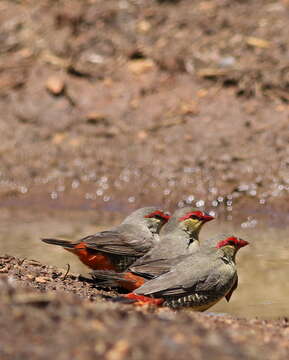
column 115, row 103
column 45, row 314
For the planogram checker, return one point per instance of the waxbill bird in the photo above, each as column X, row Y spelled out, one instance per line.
column 119, row 247
column 199, row 281
column 179, row 237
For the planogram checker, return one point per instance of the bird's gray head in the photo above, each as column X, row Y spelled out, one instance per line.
column 188, row 219
column 230, row 245
column 152, row 217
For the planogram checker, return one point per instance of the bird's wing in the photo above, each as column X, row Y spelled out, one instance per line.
column 185, row 278
column 234, row 287
column 156, row 267
column 122, row 241
column 108, row 278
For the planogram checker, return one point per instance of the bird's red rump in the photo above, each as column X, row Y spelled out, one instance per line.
column 134, row 282
column 234, row 241
column 142, row 300
column 200, row 215
column 160, row 214
column 92, row 259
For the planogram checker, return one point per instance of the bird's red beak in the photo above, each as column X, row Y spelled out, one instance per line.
column 242, row 243
column 207, row 217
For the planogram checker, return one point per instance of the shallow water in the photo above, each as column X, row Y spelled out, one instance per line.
column 263, row 266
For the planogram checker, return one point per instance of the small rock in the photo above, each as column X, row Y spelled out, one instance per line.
column 144, row 26
column 118, row 351
column 42, row 279
column 142, row 135
column 34, row 263
column 141, row 66
column 257, row 42
column 95, row 118
column 58, row 138
column 55, row 85
column 227, row 61
column 30, row 277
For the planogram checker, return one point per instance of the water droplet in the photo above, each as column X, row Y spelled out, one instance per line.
column 243, row 187
column 54, row 195
column 189, row 170
column 75, row 184
column 106, row 198
column 167, row 191
column 99, row 192
column 89, row 196
column 103, row 179
column 213, row 190
column 190, row 199
column 23, row 189
column 131, row 199
column 200, row 203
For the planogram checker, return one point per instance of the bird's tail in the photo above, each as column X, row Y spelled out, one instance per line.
column 64, row 243
column 107, row 278
column 125, row 280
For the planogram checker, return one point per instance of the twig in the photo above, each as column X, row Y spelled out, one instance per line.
column 68, row 269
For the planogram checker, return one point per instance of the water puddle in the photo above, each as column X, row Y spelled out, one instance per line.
column 263, row 266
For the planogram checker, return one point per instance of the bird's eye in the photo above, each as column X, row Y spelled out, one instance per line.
column 195, row 217
column 158, row 217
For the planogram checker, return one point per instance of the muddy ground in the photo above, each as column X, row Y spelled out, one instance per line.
column 110, row 104
column 47, row 314
column 107, row 105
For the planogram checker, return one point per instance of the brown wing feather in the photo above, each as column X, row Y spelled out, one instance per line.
column 123, row 241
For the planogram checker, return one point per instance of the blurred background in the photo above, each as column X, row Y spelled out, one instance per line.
column 107, row 106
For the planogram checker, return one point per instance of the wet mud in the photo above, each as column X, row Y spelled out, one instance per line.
column 107, row 106
column 111, row 105
column 59, row 315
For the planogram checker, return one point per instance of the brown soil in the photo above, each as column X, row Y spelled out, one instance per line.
column 115, row 103
column 109, row 104
column 46, row 314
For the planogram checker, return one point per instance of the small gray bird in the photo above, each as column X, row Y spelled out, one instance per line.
column 199, row 281
column 119, row 247
column 179, row 237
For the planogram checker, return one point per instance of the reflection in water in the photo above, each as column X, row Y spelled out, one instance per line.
column 263, row 266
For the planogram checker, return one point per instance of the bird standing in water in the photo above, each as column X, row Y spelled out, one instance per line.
column 119, row 247
column 199, row 281
column 179, row 237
